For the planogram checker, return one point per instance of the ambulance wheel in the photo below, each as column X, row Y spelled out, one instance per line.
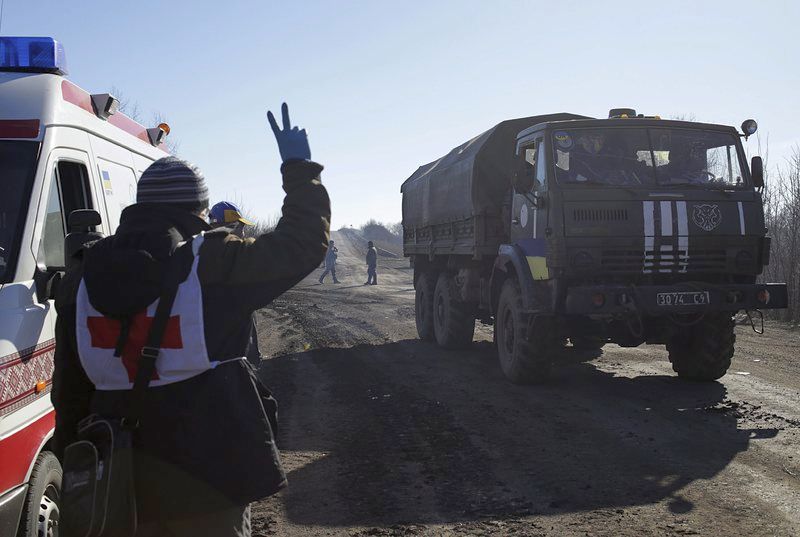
column 423, row 306
column 703, row 351
column 525, row 347
column 40, row 514
column 587, row 343
column 453, row 319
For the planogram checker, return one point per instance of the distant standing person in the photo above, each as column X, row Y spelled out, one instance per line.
column 330, row 263
column 227, row 215
column 372, row 264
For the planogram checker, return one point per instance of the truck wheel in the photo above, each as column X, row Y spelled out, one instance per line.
column 40, row 514
column 704, row 350
column 525, row 356
column 423, row 306
column 453, row 320
column 587, row 343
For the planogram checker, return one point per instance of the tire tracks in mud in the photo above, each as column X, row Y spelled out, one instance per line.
column 385, row 435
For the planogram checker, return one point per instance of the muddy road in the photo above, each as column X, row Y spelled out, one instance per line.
column 382, row 434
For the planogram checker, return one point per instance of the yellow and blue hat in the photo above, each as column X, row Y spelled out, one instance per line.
column 226, row 213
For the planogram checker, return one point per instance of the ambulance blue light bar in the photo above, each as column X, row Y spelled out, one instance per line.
column 32, row 55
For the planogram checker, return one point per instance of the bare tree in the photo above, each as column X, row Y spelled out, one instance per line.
column 126, row 106
column 782, row 215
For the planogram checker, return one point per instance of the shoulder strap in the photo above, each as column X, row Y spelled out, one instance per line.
column 152, row 348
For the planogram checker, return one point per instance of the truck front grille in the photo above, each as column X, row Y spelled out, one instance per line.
column 667, row 259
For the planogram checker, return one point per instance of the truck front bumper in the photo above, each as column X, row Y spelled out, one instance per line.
column 694, row 297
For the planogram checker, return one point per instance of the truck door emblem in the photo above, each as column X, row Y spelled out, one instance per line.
column 523, row 216
column 706, row 216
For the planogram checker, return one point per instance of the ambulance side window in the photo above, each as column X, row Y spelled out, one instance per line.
column 69, row 190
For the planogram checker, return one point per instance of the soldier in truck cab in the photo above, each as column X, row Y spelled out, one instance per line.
column 203, row 437
column 687, row 164
column 598, row 158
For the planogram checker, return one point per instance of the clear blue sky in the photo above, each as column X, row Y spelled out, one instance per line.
column 383, row 87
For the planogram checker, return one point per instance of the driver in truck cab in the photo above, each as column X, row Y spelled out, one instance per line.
column 686, row 165
column 599, row 157
column 204, row 447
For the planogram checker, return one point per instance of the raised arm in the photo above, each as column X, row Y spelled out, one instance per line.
column 299, row 241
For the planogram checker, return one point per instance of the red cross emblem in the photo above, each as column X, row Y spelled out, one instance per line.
column 105, row 333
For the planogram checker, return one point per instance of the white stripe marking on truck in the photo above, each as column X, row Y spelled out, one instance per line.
column 666, row 219
column 648, row 210
column 683, row 234
column 741, row 218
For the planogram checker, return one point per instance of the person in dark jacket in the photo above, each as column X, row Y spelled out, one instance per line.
column 227, row 214
column 204, row 447
column 372, row 264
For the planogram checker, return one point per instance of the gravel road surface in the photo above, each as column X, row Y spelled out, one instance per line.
column 382, row 434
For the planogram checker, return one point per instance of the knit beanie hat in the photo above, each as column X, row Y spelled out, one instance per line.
column 172, row 180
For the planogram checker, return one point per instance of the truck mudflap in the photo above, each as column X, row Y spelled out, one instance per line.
column 690, row 297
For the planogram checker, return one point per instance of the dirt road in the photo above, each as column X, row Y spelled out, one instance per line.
column 385, row 435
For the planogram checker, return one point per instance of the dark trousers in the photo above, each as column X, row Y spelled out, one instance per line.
column 233, row 522
column 372, row 275
column 332, row 270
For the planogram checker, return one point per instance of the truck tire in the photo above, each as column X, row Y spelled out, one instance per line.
column 453, row 319
column 703, row 351
column 40, row 514
column 423, row 306
column 525, row 355
column 587, row 343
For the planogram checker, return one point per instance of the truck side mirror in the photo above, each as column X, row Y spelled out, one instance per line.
column 523, row 180
column 757, row 171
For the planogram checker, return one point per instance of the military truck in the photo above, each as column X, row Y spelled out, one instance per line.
column 560, row 227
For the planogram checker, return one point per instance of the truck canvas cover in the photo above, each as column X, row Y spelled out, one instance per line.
column 470, row 180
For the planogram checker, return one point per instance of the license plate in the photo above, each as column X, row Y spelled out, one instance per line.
column 684, row 298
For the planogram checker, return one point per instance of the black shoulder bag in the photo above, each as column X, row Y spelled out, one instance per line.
column 98, row 496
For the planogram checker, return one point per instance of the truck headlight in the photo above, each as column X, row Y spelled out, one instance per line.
column 582, row 259
column 745, row 260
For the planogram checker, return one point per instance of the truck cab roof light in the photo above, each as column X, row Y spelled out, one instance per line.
column 32, row 55
column 621, row 113
column 104, row 105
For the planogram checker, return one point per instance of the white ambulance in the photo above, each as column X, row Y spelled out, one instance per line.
column 61, row 149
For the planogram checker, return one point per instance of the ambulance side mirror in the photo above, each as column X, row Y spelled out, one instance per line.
column 46, row 284
column 757, row 171
column 83, row 219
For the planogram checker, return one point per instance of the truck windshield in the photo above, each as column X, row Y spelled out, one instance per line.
column 651, row 157
column 17, row 168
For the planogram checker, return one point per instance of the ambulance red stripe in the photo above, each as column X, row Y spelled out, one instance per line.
column 19, row 128
column 28, row 354
column 20, row 397
column 18, row 450
column 81, row 98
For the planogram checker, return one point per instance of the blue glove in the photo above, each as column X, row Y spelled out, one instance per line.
column 292, row 142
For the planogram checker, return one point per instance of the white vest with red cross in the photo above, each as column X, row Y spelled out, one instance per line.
column 183, row 349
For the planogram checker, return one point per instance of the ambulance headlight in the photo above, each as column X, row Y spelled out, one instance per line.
column 32, row 55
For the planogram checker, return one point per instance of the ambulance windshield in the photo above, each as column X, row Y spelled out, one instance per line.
column 17, row 168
